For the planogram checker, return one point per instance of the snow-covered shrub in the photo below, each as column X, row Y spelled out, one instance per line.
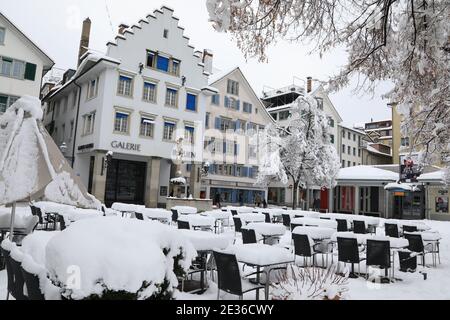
column 313, row 283
column 114, row 258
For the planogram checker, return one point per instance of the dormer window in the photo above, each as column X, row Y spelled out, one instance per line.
column 233, row 87
column 166, row 33
column 2, row 35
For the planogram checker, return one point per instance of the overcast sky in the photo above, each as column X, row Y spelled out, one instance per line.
column 55, row 25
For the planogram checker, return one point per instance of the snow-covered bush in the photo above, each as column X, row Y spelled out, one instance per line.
column 299, row 283
column 114, row 258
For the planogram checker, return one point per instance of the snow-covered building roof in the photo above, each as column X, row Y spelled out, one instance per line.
column 436, row 176
column 366, row 173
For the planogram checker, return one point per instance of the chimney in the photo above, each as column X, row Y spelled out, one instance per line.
column 208, row 60
column 308, row 84
column 122, row 28
column 84, row 41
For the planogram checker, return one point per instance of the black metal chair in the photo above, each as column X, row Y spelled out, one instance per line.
column 416, row 245
column 378, row 254
column 15, row 278
column 139, row 216
column 303, row 248
column 268, row 218
column 229, row 276
column 35, row 211
column 183, row 225
column 391, row 230
column 286, row 220
column 248, row 236
column 234, row 212
column 342, row 225
column 409, row 228
column 174, row 215
column 61, row 221
column 295, row 225
column 348, row 252
column 33, row 288
column 359, row 227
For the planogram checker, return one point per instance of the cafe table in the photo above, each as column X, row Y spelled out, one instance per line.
column 267, row 230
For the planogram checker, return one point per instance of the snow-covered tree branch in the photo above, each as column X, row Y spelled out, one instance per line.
column 300, row 153
column 403, row 41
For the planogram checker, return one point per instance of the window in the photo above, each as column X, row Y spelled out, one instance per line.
column 331, row 122
column 121, row 122
column 349, row 164
column 191, row 102
column 6, row 102
column 207, row 117
column 163, row 191
column 359, row 152
column 74, row 101
column 92, row 89
column 215, row 99
column 151, row 58
column 343, row 134
column 232, row 103
column 88, row 124
column 349, row 150
column 149, row 94
column 147, row 127
column 319, row 103
column 72, row 127
column 175, row 67
column 247, row 107
column 166, row 33
column 233, row 87
column 252, row 128
column 189, row 134
column 12, row 68
column 404, row 142
column 57, row 108
column 349, row 135
column 171, row 97
column 125, row 86
column 354, row 137
column 354, row 151
column 169, row 129
column 252, row 151
column 162, row 63
column 343, row 148
column 354, row 164
column 65, row 104
column 229, row 147
column 331, row 138
column 284, row 115
column 226, row 124
column 274, row 116
column 2, row 35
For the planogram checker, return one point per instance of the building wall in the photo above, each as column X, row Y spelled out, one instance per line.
column 355, row 157
column 18, row 48
column 435, row 212
column 396, row 136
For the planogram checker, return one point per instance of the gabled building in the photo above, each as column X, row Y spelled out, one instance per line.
column 22, row 64
column 233, row 115
column 134, row 101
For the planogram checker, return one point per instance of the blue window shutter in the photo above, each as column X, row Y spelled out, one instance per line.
column 238, row 124
column 163, row 64
column 238, row 105
column 224, row 147
column 250, row 172
column 217, row 125
column 226, row 102
column 191, row 102
column 245, row 171
column 236, row 149
column 250, row 108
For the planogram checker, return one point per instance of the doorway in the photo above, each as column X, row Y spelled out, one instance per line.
column 125, row 182
column 409, row 205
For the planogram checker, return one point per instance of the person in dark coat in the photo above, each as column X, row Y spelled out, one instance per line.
column 264, row 204
column 241, row 199
column 217, row 200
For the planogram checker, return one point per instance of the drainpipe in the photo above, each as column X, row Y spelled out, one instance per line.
column 76, row 122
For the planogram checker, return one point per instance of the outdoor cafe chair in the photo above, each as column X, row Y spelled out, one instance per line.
column 416, row 245
column 303, row 248
column 348, row 252
column 15, row 278
column 342, row 225
column 229, row 277
column 391, row 230
column 267, row 215
column 248, row 236
column 359, row 227
column 174, row 215
column 33, row 287
column 139, row 216
column 378, row 254
column 409, row 228
column 286, row 220
column 183, row 225
column 234, row 212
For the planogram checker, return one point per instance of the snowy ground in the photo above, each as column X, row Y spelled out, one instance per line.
column 413, row 286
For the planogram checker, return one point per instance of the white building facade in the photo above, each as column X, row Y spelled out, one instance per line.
column 22, row 64
column 149, row 89
column 233, row 116
column 351, row 146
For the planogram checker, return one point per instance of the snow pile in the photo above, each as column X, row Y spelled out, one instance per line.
column 76, row 214
column 179, row 180
column 111, row 255
column 261, row 254
column 202, row 240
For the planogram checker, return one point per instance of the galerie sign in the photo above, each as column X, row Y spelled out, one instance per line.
column 126, row 146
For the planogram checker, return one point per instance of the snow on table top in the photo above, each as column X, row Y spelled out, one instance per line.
column 185, row 210
column 373, row 221
column 75, row 214
column 315, row 222
column 316, row 233
column 120, row 252
column 196, row 220
column 362, row 239
column 205, row 241
column 267, row 229
column 252, row 217
column 262, row 254
column 305, row 214
column 125, row 207
column 216, row 214
column 53, row 207
column 155, row 213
